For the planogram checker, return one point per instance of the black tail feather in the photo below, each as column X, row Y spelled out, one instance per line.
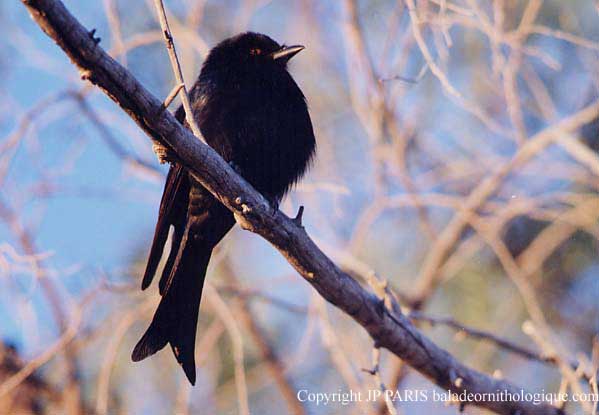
column 197, row 231
column 153, row 340
column 170, row 262
column 160, row 237
column 176, row 318
column 173, row 211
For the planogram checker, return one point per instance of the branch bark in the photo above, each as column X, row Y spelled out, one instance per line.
column 388, row 329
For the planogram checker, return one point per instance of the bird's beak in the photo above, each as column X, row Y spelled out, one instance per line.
column 286, row 52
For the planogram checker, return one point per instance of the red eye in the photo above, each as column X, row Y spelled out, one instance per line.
column 255, row 51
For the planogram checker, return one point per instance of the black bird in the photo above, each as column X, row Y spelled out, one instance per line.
column 250, row 110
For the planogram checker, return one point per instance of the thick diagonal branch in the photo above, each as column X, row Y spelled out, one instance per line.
column 394, row 332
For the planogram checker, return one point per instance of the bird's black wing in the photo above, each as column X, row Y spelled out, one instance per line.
column 172, row 211
column 173, row 208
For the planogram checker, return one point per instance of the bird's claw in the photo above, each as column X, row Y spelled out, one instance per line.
column 381, row 307
column 274, row 204
column 163, row 153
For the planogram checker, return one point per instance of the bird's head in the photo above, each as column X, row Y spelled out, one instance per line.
column 249, row 52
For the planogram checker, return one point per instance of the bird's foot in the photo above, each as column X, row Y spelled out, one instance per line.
column 274, row 204
column 164, row 154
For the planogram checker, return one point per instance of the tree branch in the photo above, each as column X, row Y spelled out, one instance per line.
column 388, row 329
column 483, row 335
column 172, row 54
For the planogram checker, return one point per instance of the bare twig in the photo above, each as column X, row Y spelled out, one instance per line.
column 72, row 392
column 266, row 347
column 230, row 324
column 67, row 336
column 110, row 355
column 172, row 53
column 429, row 276
column 375, row 372
column 483, row 335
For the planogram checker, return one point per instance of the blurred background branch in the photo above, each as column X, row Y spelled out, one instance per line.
column 464, row 190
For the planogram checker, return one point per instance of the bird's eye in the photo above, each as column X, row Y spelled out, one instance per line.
column 255, row 51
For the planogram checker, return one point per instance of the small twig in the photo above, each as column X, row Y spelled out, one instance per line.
column 246, row 293
column 399, row 373
column 111, row 351
column 171, row 96
column 571, row 373
column 399, row 78
column 390, row 302
column 298, row 218
column 420, row 75
column 230, row 323
column 172, row 53
column 63, row 341
column 338, row 353
column 108, row 137
column 376, row 358
column 479, row 334
column 92, row 35
column 276, row 364
column 381, row 288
